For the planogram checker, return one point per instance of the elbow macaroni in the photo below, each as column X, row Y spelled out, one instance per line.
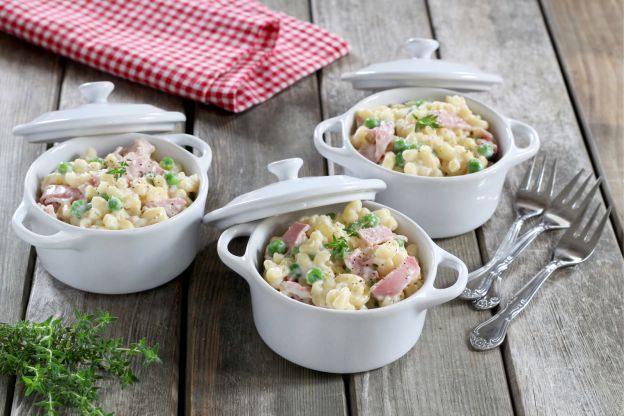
column 319, row 251
column 460, row 144
column 113, row 194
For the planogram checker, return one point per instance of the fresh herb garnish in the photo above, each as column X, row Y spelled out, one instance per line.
column 98, row 160
column 418, row 103
column 331, row 215
column 430, row 120
column 338, row 246
column 368, row 221
column 117, row 172
column 62, row 363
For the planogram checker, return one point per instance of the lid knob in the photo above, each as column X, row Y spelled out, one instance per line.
column 96, row 92
column 286, row 169
column 422, row 48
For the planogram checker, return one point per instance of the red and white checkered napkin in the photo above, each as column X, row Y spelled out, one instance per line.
column 230, row 53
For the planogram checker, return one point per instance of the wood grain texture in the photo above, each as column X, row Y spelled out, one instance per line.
column 590, row 40
column 563, row 355
column 154, row 314
column 440, row 375
column 230, row 371
column 29, row 85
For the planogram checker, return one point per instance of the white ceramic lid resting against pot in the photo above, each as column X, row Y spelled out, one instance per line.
column 98, row 117
column 291, row 194
column 422, row 71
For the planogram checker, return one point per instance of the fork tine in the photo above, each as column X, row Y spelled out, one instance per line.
column 549, row 187
column 579, row 192
column 568, row 188
column 598, row 232
column 590, row 195
column 526, row 181
column 583, row 234
column 540, row 177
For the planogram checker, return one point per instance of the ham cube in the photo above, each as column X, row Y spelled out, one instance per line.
column 295, row 235
column 397, row 280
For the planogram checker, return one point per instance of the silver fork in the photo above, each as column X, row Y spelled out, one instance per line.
column 575, row 246
column 532, row 198
column 561, row 212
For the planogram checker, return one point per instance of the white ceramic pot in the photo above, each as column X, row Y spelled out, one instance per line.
column 338, row 341
column 443, row 206
column 121, row 261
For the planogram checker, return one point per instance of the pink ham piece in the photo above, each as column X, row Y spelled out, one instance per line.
column 295, row 235
column 452, row 121
column 378, row 140
column 57, row 195
column 141, row 166
column 172, row 206
column 295, row 290
column 140, row 148
column 48, row 209
column 360, row 264
column 395, row 281
column 378, row 235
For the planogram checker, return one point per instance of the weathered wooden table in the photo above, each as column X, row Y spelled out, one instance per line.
column 562, row 61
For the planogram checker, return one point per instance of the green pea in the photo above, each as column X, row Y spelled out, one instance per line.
column 79, row 207
column 400, row 145
column 486, row 149
column 167, row 163
column 294, row 271
column 314, row 275
column 370, row 220
column 114, row 203
column 171, row 179
column 399, row 161
column 294, row 251
column 474, row 165
column 277, row 246
column 371, row 122
column 64, row 167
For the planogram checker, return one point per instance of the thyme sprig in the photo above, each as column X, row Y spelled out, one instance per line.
column 61, row 364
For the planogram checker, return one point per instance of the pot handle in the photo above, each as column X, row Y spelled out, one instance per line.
column 338, row 155
column 520, row 154
column 58, row 240
column 205, row 157
column 435, row 296
column 239, row 264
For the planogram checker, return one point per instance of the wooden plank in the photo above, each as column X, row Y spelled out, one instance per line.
column 440, row 375
column 29, row 81
column 589, row 37
column 230, row 371
column 562, row 355
column 154, row 314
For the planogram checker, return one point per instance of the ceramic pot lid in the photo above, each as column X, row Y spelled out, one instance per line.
column 422, row 71
column 291, row 194
column 98, row 117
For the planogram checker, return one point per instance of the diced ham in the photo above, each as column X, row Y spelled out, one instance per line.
column 48, row 209
column 378, row 235
column 360, row 264
column 378, row 140
column 141, row 166
column 172, row 206
column 295, row 290
column 395, row 281
column 140, row 148
column 295, row 235
column 57, row 195
column 453, row 121
column 450, row 120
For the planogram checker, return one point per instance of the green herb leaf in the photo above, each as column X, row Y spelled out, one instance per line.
column 61, row 363
column 430, row 120
column 338, row 246
column 118, row 172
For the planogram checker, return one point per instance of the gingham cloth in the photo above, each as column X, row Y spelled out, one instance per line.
column 230, row 53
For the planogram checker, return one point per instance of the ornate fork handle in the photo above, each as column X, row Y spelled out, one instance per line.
column 491, row 333
column 510, row 237
column 478, row 287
